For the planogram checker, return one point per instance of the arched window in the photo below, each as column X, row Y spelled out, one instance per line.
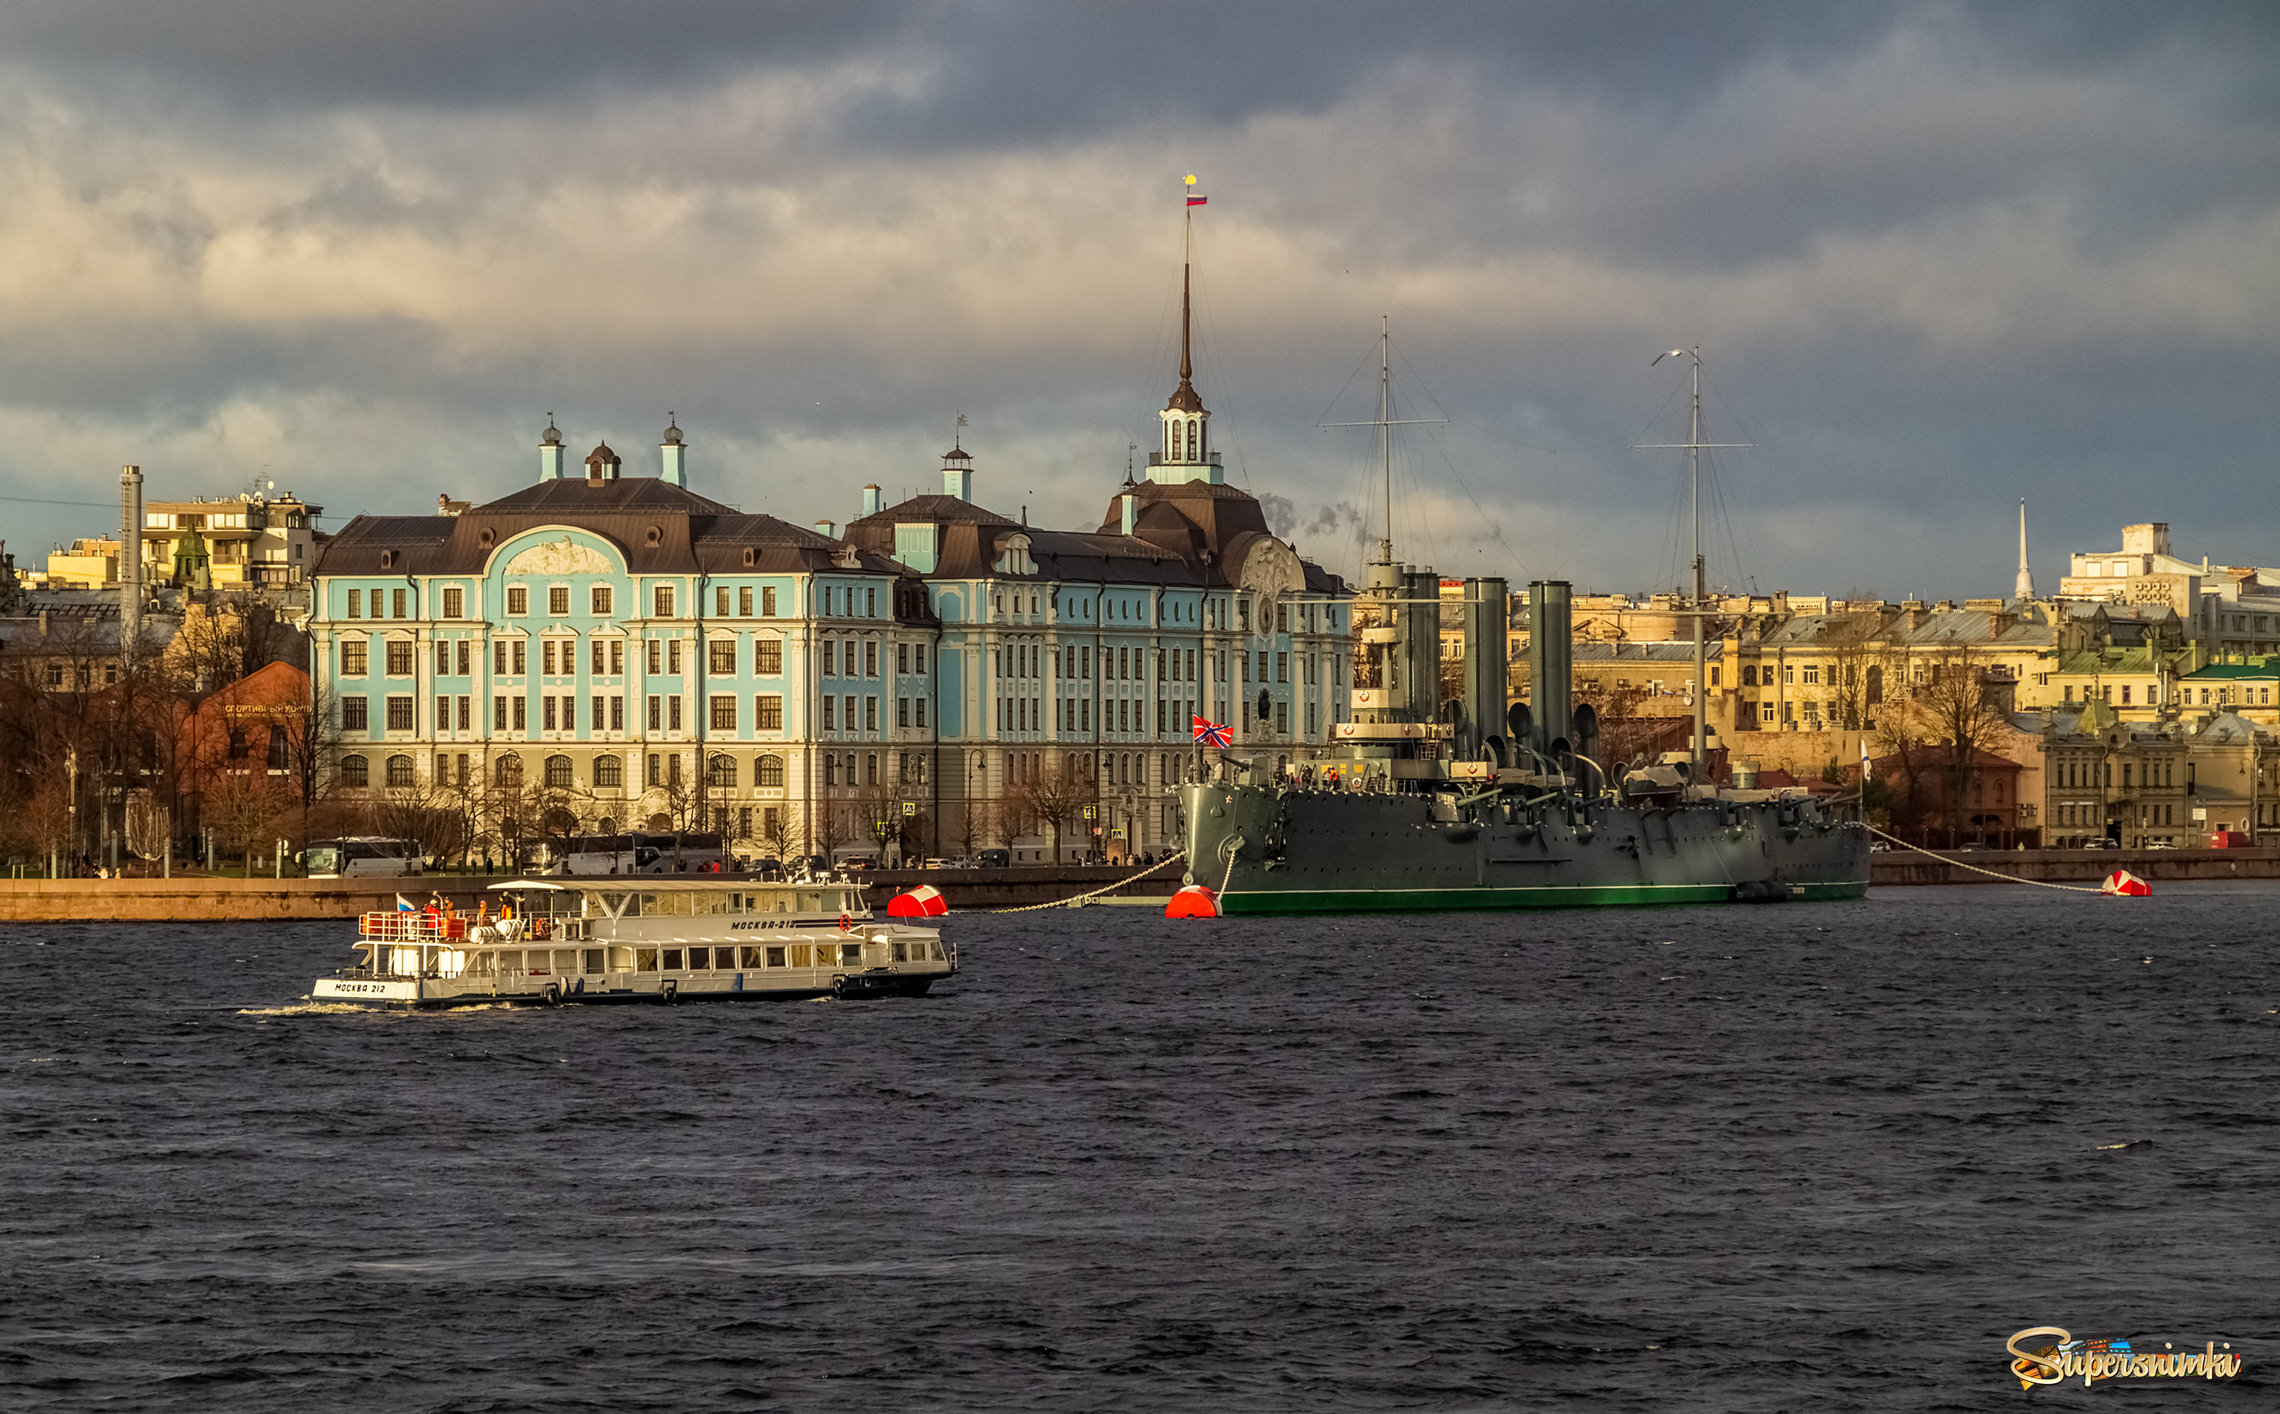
column 1195, row 442
column 507, row 770
column 355, row 772
column 399, row 773
column 558, row 772
column 830, row 769
column 768, row 773
column 609, row 774
column 607, row 825
column 720, row 772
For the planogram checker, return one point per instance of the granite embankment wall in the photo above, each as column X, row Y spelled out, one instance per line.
column 2073, row 866
column 206, row 900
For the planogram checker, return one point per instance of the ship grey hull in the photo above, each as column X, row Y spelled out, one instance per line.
column 1287, row 851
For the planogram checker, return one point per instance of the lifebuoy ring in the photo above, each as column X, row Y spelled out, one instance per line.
column 846, row 923
column 670, row 992
column 839, row 985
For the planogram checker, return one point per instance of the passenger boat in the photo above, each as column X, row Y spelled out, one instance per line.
column 647, row 940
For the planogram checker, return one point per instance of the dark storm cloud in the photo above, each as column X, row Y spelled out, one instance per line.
column 1942, row 254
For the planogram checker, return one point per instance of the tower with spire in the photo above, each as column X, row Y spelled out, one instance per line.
column 1185, row 453
column 2025, row 588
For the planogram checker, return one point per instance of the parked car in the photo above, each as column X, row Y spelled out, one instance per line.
column 994, row 859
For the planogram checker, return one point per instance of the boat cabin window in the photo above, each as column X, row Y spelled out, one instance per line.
column 645, row 959
column 811, row 901
column 593, row 960
column 672, row 959
column 850, row 954
column 775, row 957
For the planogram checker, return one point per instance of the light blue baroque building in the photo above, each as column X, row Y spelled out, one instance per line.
column 605, row 652
column 598, row 653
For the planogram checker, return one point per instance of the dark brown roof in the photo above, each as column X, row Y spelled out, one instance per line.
column 659, row 529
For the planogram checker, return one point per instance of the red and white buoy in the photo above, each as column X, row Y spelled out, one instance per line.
column 2123, row 884
column 925, row 901
column 1194, row 901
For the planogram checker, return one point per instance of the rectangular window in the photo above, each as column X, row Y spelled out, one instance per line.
column 830, row 658
column 547, row 717
column 744, row 601
column 498, row 714
column 600, row 599
column 499, row 658
column 356, row 603
column 902, row 657
column 1243, row 660
column 396, row 601
column 399, row 714
column 354, row 714
column 601, row 659
column 673, row 715
column 518, row 601
column 830, row 713
column 723, row 652
column 569, row 713
column 870, row 660
column 400, row 658
column 724, row 714
column 720, row 601
column 521, row 705
column 521, row 656
column 849, row 703
column 546, row 658
column 1282, row 719
column 653, row 778
column 617, row 713
column 768, row 712
column 921, row 711
column 558, row 600
column 870, row 603
column 870, row 714
column 443, row 714
column 352, row 657
column 662, row 598
column 1282, row 667
column 657, row 714
column 617, row 657
column 454, row 603
column 656, row 657
column 463, row 657
column 466, row 716
column 673, row 658
column 767, row 657
column 768, row 601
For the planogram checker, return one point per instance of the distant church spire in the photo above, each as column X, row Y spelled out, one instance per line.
column 1185, row 453
column 2025, row 589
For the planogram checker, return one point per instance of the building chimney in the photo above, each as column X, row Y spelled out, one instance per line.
column 674, row 455
column 130, row 560
column 871, row 499
column 1128, row 511
column 550, row 452
column 827, row 528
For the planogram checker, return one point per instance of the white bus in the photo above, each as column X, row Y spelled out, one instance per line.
column 360, row 854
column 630, row 854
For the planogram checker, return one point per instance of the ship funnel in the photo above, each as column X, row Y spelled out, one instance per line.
column 1551, row 664
column 1420, row 620
column 1482, row 725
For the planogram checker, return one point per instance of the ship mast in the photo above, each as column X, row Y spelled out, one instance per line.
column 1385, row 430
column 1698, row 608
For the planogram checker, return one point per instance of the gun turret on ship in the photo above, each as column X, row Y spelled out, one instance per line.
column 1482, row 804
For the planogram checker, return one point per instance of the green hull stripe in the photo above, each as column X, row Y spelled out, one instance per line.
column 1242, row 900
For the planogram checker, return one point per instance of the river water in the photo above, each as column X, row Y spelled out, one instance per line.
column 1824, row 1156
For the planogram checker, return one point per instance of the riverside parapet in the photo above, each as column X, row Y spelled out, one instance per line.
column 210, row 900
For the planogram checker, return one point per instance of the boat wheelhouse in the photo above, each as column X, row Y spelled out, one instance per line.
column 646, row 940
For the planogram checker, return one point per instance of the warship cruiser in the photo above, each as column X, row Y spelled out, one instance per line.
column 1480, row 804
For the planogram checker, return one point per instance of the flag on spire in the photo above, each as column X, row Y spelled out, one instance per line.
column 1192, row 198
column 1211, row 734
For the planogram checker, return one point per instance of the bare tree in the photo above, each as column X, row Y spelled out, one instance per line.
column 1056, row 796
column 243, row 808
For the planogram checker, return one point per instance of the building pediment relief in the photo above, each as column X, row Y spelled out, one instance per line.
column 558, row 558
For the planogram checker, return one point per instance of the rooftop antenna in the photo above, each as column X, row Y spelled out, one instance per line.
column 1131, row 453
column 958, row 434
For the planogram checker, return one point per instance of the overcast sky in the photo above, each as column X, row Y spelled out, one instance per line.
column 1938, row 257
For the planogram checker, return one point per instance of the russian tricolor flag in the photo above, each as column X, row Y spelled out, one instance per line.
column 1194, row 200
